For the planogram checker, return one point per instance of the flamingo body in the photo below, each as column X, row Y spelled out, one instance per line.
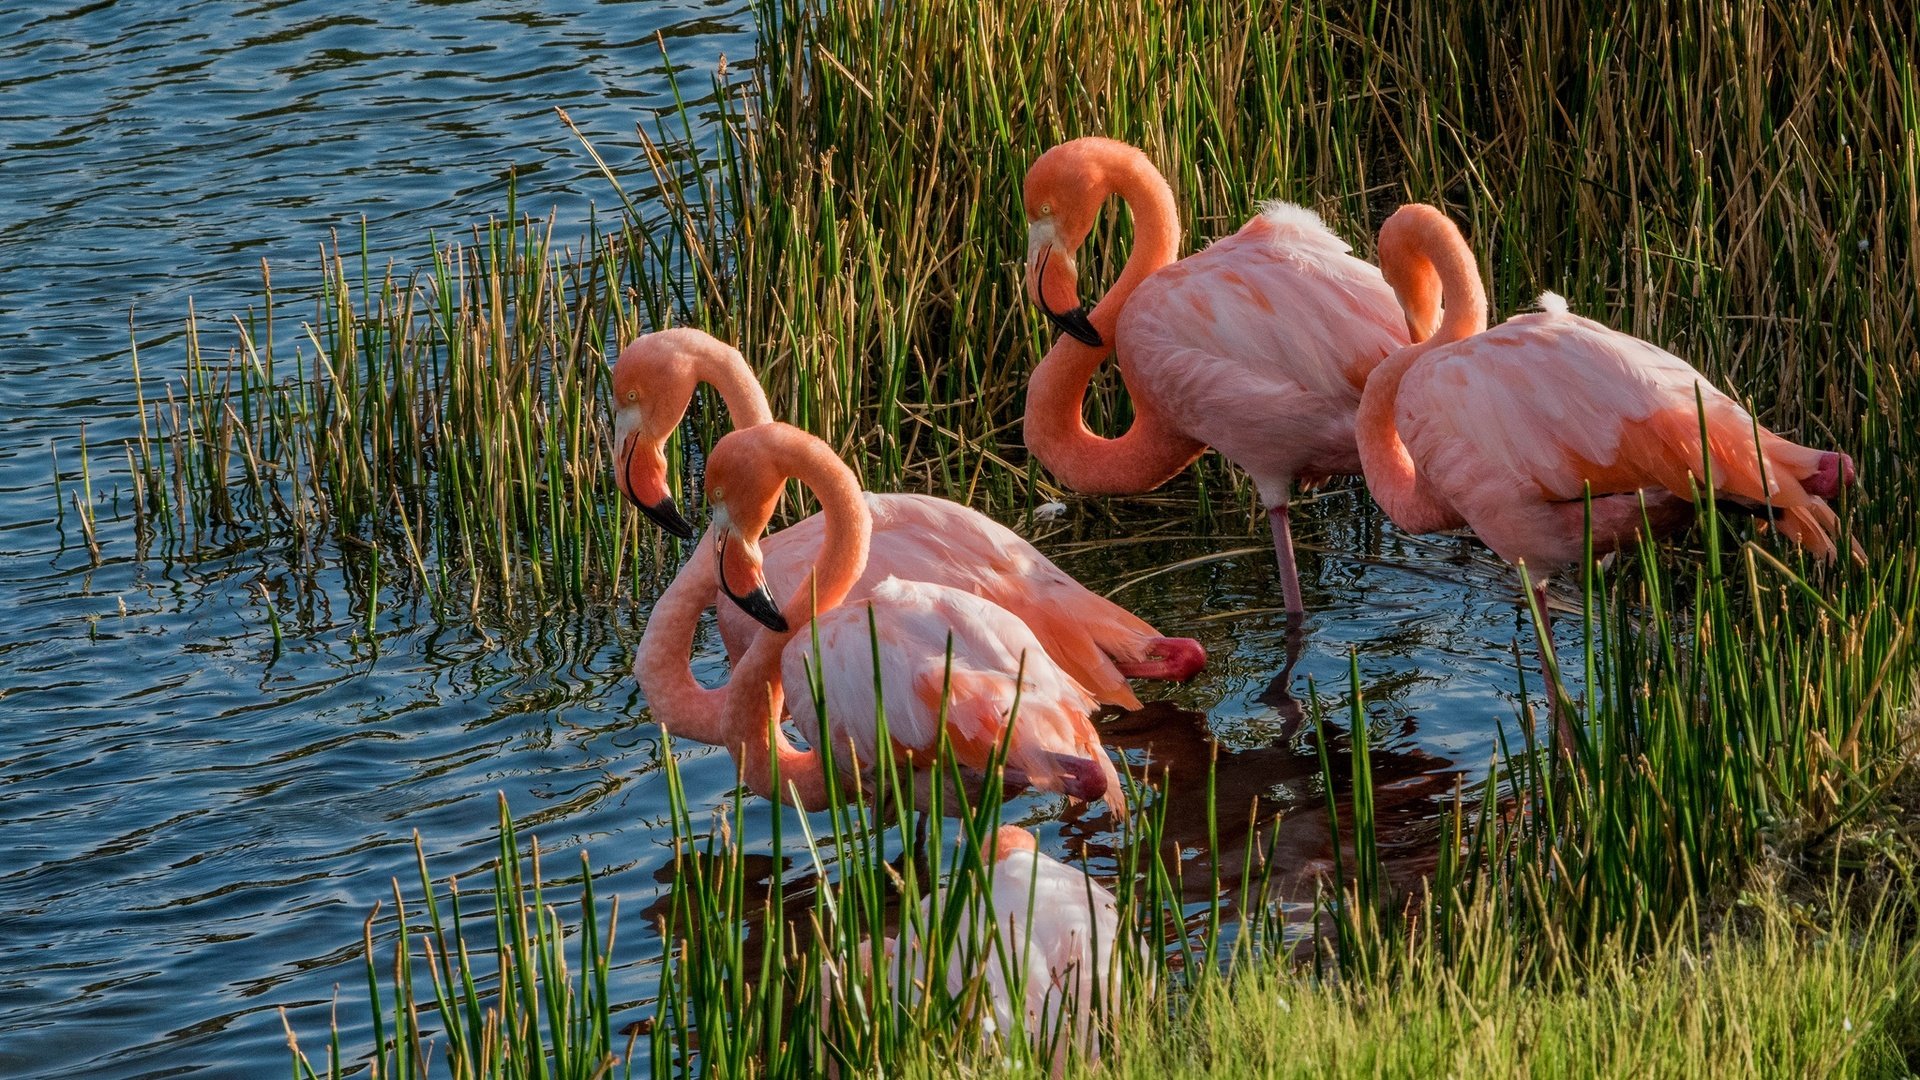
column 1042, row 940
column 998, row 677
column 1512, row 427
column 922, row 538
column 946, row 657
column 1259, row 346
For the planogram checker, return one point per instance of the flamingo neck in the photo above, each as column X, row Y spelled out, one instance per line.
column 1391, row 476
column 724, row 369
column 757, row 696
column 757, row 689
column 1152, row 450
column 663, row 663
column 1427, row 261
column 1431, row 268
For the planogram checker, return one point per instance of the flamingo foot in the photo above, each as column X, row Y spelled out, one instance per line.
column 1174, row 659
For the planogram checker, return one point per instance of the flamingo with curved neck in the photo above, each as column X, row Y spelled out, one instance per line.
column 1257, row 346
column 1101, row 644
column 955, row 670
column 653, row 382
column 1550, row 427
column 1423, row 258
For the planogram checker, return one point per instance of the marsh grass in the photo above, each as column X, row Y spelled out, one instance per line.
column 518, row 1009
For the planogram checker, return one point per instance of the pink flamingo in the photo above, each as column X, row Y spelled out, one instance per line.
column 1258, row 346
column 1098, row 642
column 1508, row 430
column 950, row 663
column 1042, row 942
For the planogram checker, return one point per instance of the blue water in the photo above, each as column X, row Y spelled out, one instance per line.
column 192, row 830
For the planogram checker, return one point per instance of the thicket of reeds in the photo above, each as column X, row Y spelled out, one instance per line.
column 1737, row 182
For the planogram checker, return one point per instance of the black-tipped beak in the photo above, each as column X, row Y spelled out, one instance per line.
column 1074, row 324
column 758, row 603
column 666, row 515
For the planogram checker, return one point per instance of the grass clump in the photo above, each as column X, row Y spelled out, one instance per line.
column 521, row 1010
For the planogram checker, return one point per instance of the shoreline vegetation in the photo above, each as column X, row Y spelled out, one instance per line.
column 1717, row 880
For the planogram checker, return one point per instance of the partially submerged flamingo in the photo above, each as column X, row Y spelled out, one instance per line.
column 1041, row 941
column 1257, row 346
column 1510, row 430
column 1098, row 642
column 950, row 663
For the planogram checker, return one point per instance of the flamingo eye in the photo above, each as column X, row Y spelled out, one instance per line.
column 633, row 395
column 1046, row 209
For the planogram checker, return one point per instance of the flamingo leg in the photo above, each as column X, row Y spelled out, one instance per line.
column 1283, row 552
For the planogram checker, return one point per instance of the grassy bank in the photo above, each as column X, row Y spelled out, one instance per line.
column 1792, row 992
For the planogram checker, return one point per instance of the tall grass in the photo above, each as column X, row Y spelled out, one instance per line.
column 518, row 1010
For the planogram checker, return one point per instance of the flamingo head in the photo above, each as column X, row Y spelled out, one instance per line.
column 743, row 484
column 653, row 381
column 1010, row 839
column 1406, row 261
column 1063, row 193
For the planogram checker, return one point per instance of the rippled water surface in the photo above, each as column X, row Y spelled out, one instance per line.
column 193, row 829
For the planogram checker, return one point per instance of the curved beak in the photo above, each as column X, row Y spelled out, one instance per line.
column 742, row 580
column 667, row 515
column 1052, row 283
column 642, row 476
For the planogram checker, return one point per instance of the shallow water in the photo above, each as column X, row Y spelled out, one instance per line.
column 191, row 829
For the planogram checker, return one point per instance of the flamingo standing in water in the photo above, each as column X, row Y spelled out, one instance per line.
column 1510, row 430
column 1044, row 930
column 947, row 658
column 1258, row 346
column 1098, row 642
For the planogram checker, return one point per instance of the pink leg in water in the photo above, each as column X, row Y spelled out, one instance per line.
column 1283, row 551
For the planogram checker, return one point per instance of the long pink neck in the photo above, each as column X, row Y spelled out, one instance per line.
column 663, row 664
column 1153, row 450
column 757, row 691
column 1430, row 267
column 723, row 368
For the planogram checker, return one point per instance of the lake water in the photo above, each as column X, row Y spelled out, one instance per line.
column 192, row 830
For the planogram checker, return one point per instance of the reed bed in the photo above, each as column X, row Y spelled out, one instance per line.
column 1737, row 182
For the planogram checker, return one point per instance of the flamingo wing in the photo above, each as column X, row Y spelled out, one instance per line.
column 1557, row 405
column 921, row 538
column 995, row 675
column 1262, row 343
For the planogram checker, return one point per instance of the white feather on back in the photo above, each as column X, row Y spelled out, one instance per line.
column 1292, row 218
